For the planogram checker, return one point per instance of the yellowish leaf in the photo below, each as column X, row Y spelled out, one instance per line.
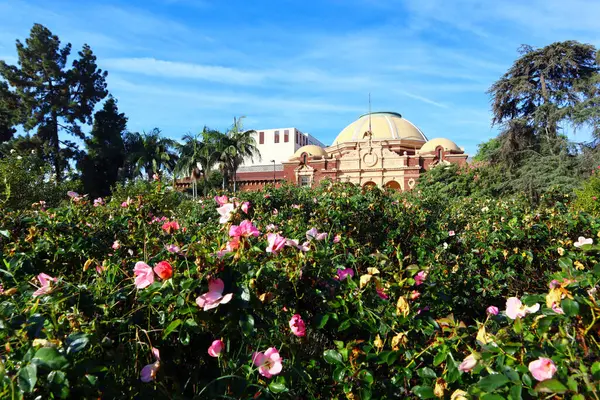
column 378, row 343
column 364, row 279
column 402, row 307
column 440, row 387
column 372, row 270
column 399, row 339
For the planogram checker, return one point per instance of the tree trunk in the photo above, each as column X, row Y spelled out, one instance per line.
column 56, row 148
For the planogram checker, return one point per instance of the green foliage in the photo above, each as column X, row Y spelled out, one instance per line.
column 588, row 196
column 24, row 180
column 52, row 96
column 105, row 151
column 148, row 153
column 544, row 86
column 487, row 150
column 9, row 112
column 399, row 328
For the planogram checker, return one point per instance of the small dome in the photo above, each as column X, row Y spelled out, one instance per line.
column 447, row 144
column 311, row 150
column 384, row 125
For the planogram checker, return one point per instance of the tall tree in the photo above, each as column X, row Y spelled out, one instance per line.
column 149, row 153
column 238, row 146
column 190, row 157
column 544, row 85
column 105, row 150
column 9, row 112
column 55, row 98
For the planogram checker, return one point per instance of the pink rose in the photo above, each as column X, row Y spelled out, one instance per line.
column 542, row 369
column 214, row 296
column 492, row 310
column 420, row 278
column 468, row 363
column 216, row 348
column 276, row 243
column 297, row 325
column 268, row 363
column 144, row 276
column 515, row 309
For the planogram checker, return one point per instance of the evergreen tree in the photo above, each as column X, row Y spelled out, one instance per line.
column 105, row 150
column 9, row 112
column 54, row 98
column 544, row 88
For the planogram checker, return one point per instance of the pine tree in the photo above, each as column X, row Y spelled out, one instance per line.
column 54, row 98
column 9, row 112
column 105, row 150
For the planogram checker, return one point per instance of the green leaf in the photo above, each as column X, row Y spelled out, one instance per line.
column 551, row 386
column 439, row 357
column 247, row 324
column 423, row 392
column 28, row 378
column 56, row 377
column 565, row 263
column 492, row 396
column 515, row 392
column 332, row 357
column 492, row 382
column 50, row 358
column 596, row 370
column 77, row 342
column 345, row 325
column 322, row 321
column 365, row 394
column 518, row 326
column 92, row 379
column 570, row 307
column 453, row 372
column 339, row 373
column 427, row 373
column 172, row 326
column 365, row 376
column 5, row 234
column 277, row 387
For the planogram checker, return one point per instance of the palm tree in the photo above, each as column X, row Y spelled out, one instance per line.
column 150, row 153
column 189, row 160
column 238, row 146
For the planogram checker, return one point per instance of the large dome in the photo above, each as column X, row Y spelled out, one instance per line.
column 384, row 125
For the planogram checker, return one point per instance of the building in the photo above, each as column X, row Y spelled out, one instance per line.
column 275, row 146
column 378, row 149
column 278, row 145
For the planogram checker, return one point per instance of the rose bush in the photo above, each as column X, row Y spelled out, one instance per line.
column 293, row 293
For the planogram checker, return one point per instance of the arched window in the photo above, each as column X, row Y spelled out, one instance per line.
column 440, row 153
column 304, row 158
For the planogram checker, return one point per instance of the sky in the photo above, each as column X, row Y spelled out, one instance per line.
column 180, row 65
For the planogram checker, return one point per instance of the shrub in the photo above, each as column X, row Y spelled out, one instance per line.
column 382, row 299
column 24, row 180
column 588, row 196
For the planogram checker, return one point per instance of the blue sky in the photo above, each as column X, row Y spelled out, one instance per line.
column 182, row 64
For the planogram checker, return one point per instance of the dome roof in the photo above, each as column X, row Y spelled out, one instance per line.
column 384, row 125
column 311, row 150
column 447, row 144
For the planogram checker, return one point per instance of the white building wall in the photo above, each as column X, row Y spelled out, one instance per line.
column 281, row 151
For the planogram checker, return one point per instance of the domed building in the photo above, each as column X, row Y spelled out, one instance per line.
column 378, row 149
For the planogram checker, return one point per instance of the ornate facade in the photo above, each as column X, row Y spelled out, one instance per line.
column 379, row 149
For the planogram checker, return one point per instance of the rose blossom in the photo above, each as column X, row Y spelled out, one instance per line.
column 542, row 368
column 216, row 348
column 297, row 325
column 268, row 363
